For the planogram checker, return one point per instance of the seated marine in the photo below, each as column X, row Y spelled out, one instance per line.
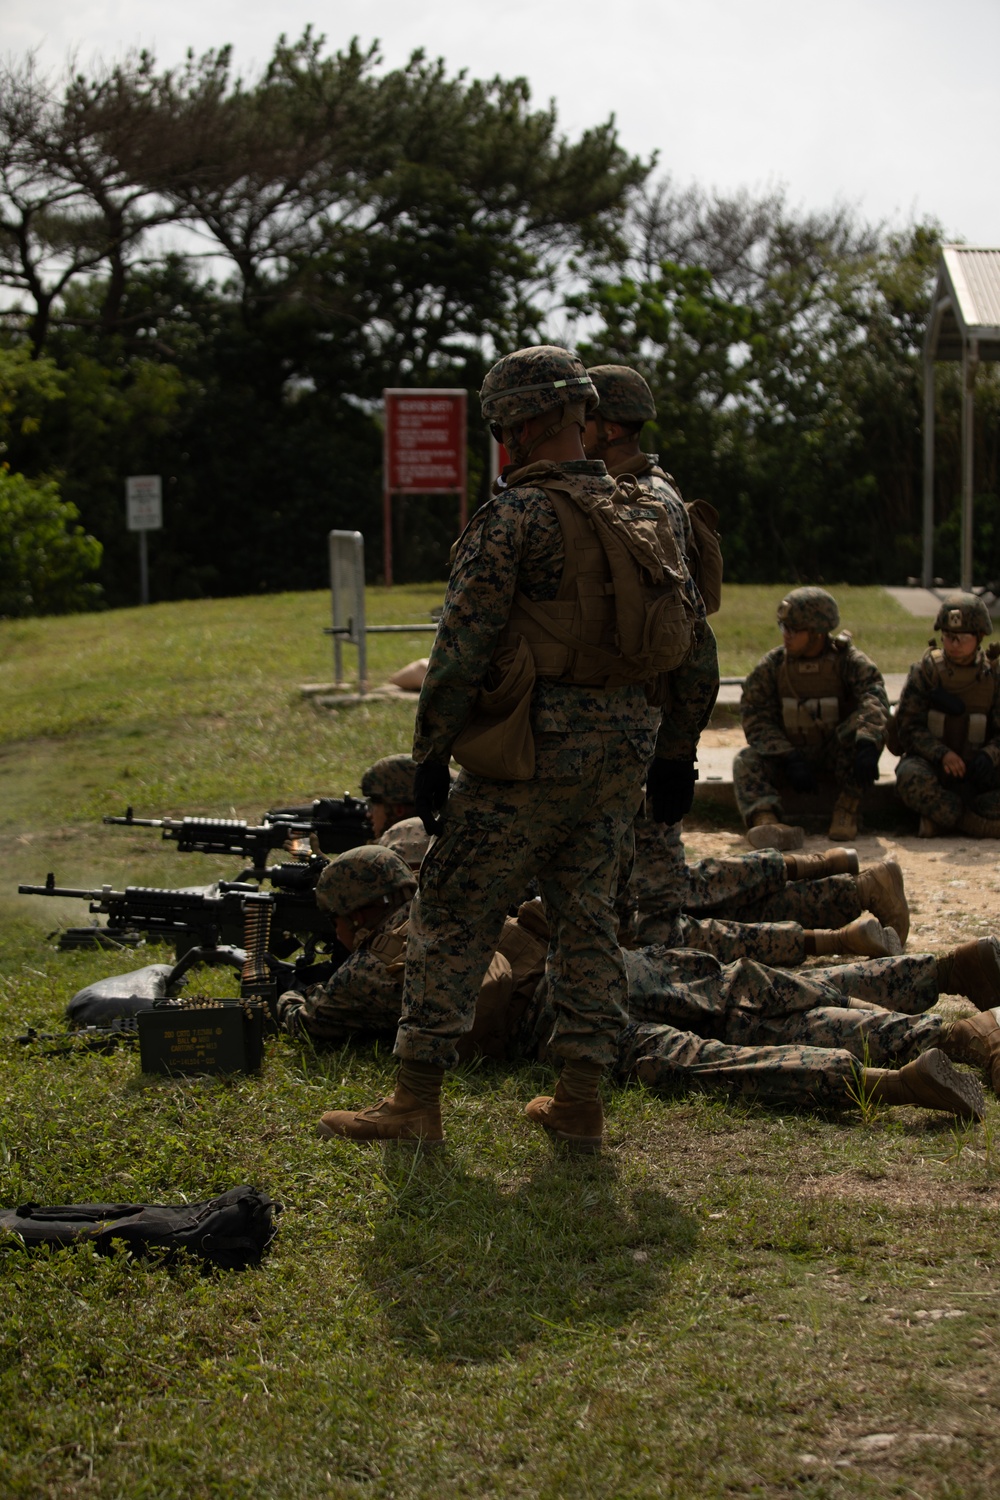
column 814, row 705
column 816, row 1037
column 947, row 726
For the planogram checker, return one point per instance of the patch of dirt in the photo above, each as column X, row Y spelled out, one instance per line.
column 904, row 1191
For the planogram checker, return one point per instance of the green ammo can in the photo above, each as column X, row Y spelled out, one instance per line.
column 202, row 1036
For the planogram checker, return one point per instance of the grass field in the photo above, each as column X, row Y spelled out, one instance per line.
column 732, row 1302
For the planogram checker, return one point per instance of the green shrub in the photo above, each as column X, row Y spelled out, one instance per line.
column 44, row 554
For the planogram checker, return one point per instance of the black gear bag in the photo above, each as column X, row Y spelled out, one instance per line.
column 231, row 1231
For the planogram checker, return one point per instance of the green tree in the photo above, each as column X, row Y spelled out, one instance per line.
column 45, row 555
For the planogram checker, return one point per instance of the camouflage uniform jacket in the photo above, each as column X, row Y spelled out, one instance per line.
column 915, row 738
column 361, row 998
column 694, row 687
column 514, row 544
column 864, row 692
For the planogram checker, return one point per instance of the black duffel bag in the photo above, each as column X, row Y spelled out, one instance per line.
column 231, row 1231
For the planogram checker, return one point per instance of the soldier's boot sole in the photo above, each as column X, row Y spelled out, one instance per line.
column 866, row 937
column 881, row 891
column 389, row 1120
column 933, row 1083
column 775, row 836
column 976, row 1041
column 576, row 1127
column 977, row 827
column 973, row 970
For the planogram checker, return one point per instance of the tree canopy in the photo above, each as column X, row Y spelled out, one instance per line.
column 214, row 277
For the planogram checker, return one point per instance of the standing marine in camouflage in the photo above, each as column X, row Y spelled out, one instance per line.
column 814, row 704
column 693, row 1022
column 545, row 580
column 612, row 434
column 948, row 726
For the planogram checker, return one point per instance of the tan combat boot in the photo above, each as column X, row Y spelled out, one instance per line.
column 401, row 1117
column 765, row 832
column 865, row 936
column 977, row 1042
column 977, row 827
column 929, row 1082
column 575, row 1123
column 819, row 866
column 881, row 890
column 844, row 822
column 973, row 970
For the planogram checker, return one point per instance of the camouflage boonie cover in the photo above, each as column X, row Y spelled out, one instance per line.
column 533, row 381
column 809, row 609
column 360, row 876
column 625, row 396
column 964, row 613
column 390, row 779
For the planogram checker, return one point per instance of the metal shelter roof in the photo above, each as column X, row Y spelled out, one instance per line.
column 966, row 304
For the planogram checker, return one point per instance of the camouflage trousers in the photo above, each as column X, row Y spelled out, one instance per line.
column 743, row 905
column 758, row 779
column 926, row 790
column 785, row 1037
column 693, row 991
column 815, row 1057
column 565, row 828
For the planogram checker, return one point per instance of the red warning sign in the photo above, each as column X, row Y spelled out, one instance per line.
column 424, row 441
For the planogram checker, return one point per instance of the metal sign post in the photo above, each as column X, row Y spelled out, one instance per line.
column 424, row 453
column 144, row 513
column 347, row 601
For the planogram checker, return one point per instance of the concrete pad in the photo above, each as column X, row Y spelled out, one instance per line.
column 922, row 602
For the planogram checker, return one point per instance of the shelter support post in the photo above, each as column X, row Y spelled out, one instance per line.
column 928, row 560
column 970, row 361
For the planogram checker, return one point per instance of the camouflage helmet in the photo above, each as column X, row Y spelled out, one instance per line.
column 533, row 381
column 809, row 609
column 361, row 876
column 390, row 779
column 625, row 396
column 409, row 839
column 964, row 613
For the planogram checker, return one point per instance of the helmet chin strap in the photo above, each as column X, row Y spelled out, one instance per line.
column 572, row 414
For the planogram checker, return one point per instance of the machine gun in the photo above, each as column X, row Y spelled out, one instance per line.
column 218, row 917
column 335, row 823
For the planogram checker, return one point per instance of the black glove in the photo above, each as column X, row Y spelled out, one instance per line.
column 670, row 788
column 431, row 786
column 799, row 772
column 979, row 770
column 866, row 755
column 945, row 702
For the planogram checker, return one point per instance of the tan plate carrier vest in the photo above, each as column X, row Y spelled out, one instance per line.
column 621, row 614
column 964, row 733
column 812, row 697
column 511, row 979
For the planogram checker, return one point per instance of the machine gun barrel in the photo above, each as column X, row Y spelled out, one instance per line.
column 336, row 823
column 203, row 918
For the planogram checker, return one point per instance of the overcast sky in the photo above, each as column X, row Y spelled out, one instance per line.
column 890, row 105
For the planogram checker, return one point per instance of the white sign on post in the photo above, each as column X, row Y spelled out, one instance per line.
column 144, row 495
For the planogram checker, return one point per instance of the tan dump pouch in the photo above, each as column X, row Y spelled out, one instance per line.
column 810, row 721
column 492, row 1025
column 390, row 947
column 706, row 565
column 497, row 742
